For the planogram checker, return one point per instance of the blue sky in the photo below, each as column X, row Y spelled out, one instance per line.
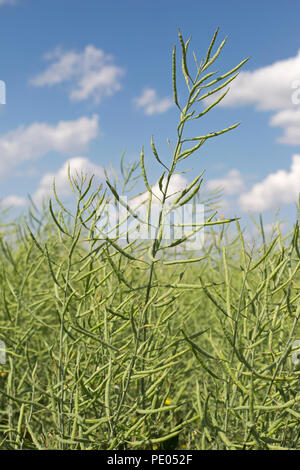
column 87, row 79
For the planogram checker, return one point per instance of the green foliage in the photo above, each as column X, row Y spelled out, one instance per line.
column 142, row 345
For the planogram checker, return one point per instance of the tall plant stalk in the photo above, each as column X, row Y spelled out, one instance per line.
column 195, row 87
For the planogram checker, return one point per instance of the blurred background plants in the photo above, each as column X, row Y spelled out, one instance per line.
column 145, row 344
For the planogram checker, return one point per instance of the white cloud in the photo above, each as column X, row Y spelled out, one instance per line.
column 289, row 120
column 275, row 87
column 232, row 183
column 14, row 201
column 92, row 71
column 151, row 104
column 281, row 187
column 36, row 140
column 269, row 88
column 78, row 165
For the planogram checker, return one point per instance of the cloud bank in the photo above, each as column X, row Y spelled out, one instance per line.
column 231, row 183
column 281, row 187
column 92, row 73
column 151, row 104
column 36, row 140
column 276, row 88
column 77, row 165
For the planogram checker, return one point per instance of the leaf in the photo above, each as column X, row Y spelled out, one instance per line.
column 184, row 64
column 174, row 77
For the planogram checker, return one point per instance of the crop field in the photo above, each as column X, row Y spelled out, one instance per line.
column 144, row 344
